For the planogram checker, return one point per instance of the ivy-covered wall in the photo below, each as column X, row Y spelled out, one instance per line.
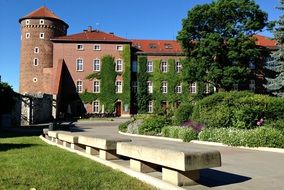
column 143, row 96
column 157, row 77
column 107, row 76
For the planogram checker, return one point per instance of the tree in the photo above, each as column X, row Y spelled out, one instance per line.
column 218, row 40
column 6, row 98
column 276, row 64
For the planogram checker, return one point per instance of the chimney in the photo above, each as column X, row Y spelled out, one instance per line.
column 111, row 33
column 90, row 29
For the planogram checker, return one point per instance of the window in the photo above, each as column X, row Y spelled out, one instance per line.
column 168, row 46
column 134, row 86
column 41, row 21
column 118, row 86
column 96, row 106
column 150, row 86
column 28, row 35
column 96, row 86
column 178, row 67
column 207, row 88
column 134, row 66
column 178, row 88
column 97, row 47
column 192, row 88
column 152, row 45
column 164, row 67
column 252, row 64
column 97, row 65
column 118, row 65
column 252, row 85
column 150, row 66
column 41, row 35
column 119, row 48
column 80, row 47
column 79, row 64
column 28, row 22
column 34, row 79
column 150, row 107
column 35, row 61
column 36, row 50
column 164, row 87
column 79, row 86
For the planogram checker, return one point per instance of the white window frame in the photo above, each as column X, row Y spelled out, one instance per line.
column 79, row 65
column 119, row 48
column 178, row 66
column 41, row 21
column 178, row 88
column 96, row 106
column 35, row 62
column 150, row 66
column 79, row 87
column 28, row 22
column 80, row 47
column 96, row 86
column 95, row 47
column 150, row 106
column 118, row 65
column 150, row 86
column 41, row 35
column 28, row 35
column 36, row 50
column 164, row 67
column 193, row 88
column 34, row 79
column 118, row 86
column 96, row 65
column 164, row 87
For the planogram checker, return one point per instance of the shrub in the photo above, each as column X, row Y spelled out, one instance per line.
column 278, row 124
column 186, row 134
column 123, row 126
column 243, row 110
column 259, row 137
column 183, row 113
column 153, row 125
column 134, row 126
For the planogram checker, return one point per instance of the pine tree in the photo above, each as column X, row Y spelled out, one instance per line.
column 276, row 64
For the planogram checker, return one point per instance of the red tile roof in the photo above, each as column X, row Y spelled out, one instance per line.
column 92, row 35
column 42, row 12
column 265, row 41
column 157, row 46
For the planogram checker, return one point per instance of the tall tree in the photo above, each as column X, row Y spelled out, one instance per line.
column 276, row 85
column 217, row 38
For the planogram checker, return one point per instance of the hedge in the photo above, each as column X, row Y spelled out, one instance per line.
column 186, row 134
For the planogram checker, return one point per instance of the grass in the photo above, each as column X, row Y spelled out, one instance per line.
column 26, row 162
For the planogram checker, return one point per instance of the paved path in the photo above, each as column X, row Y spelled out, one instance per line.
column 241, row 169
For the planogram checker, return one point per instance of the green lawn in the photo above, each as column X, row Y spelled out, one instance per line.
column 27, row 162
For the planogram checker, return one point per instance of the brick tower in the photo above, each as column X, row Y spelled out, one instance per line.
column 36, row 59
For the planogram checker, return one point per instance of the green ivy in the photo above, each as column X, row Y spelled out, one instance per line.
column 142, row 77
column 108, row 77
column 126, row 56
column 88, row 97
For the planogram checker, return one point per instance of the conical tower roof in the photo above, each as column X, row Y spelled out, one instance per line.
column 42, row 12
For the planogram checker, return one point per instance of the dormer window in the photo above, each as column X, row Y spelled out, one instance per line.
column 41, row 21
column 152, row 45
column 80, row 47
column 168, row 46
column 28, row 22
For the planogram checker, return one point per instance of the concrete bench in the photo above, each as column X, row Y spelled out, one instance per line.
column 180, row 163
column 53, row 135
column 70, row 140
column 102, row 145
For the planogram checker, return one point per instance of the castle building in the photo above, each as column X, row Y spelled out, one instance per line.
column 94, row 72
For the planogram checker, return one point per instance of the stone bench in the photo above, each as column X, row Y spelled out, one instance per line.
column 180, row 163
column 102, row 145
column 53, row 135
column 70, row 140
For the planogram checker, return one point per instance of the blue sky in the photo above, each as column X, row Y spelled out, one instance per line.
column 133, row 19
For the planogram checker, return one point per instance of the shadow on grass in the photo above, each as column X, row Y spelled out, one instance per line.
column 213, row 178
column 19, row 133
column 9, row 146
